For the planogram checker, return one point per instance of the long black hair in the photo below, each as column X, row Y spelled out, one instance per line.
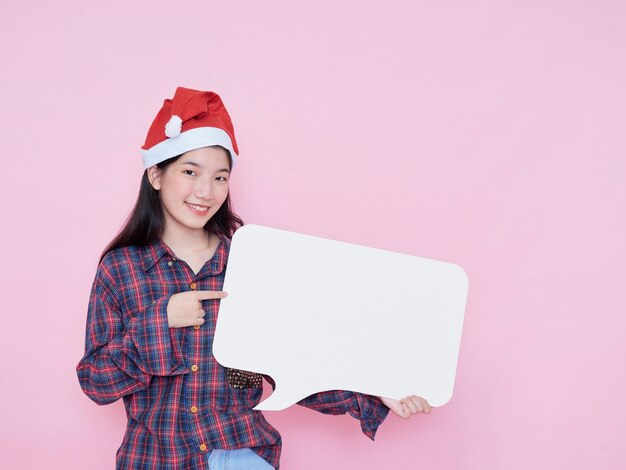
column 146, row 222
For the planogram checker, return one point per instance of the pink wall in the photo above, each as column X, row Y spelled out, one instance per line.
column 489, row 134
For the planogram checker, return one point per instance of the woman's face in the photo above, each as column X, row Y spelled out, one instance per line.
column 192, row 188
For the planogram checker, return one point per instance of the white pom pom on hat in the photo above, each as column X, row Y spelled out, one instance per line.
column 173, row 126
column 192, row 119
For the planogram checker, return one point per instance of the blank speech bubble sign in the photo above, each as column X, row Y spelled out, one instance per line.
column 318, row 314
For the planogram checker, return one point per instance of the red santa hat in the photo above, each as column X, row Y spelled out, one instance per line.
column 191, row 120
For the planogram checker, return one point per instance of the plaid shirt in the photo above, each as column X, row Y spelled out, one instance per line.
column 178, row 399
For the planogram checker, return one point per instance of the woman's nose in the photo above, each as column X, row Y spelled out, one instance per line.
column 204, row 189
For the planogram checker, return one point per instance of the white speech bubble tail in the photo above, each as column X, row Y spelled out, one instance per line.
column 279, row 401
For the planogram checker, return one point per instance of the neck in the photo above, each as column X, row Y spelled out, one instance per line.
column 186, row 241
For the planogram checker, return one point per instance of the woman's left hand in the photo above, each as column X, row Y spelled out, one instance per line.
column 407, row 406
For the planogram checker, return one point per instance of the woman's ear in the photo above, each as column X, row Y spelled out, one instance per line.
column 154, row 176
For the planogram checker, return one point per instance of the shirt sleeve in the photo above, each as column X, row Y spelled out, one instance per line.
column 121, row 359
column 369, row 410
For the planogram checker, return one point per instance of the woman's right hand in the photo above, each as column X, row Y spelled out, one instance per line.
column 185, row 308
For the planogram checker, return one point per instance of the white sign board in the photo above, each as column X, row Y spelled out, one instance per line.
column 316, row 314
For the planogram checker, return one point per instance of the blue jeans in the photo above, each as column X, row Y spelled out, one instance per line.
column 237, row 459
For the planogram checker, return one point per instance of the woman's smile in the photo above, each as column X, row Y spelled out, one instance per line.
column 197, row 208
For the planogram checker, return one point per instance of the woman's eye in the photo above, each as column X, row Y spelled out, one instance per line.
column 189, row 172
column 221, row 178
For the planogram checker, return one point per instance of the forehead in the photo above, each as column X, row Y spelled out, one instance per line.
column 206, row 157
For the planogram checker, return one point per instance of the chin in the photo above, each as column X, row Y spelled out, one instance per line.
column 196, row 225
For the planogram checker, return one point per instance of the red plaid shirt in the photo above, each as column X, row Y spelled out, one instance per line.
column 177, row 397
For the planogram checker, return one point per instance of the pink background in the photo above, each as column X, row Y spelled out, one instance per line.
column 489, row 134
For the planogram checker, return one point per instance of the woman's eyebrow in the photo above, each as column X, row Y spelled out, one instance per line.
column 192, row 163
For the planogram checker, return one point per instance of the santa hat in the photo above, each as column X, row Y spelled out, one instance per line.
column 189, row 121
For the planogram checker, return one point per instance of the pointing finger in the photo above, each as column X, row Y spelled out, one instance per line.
column 210, row 294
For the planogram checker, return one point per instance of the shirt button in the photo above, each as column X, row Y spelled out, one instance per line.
column 196, row 327
column 193, row 285
column 194, row 368
column 169, row 263
column 202, row 446
column 194, row 409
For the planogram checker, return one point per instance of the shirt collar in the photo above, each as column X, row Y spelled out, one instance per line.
column 153, row 252
column 220, row 258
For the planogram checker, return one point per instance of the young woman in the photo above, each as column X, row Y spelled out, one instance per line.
column 154, row 305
